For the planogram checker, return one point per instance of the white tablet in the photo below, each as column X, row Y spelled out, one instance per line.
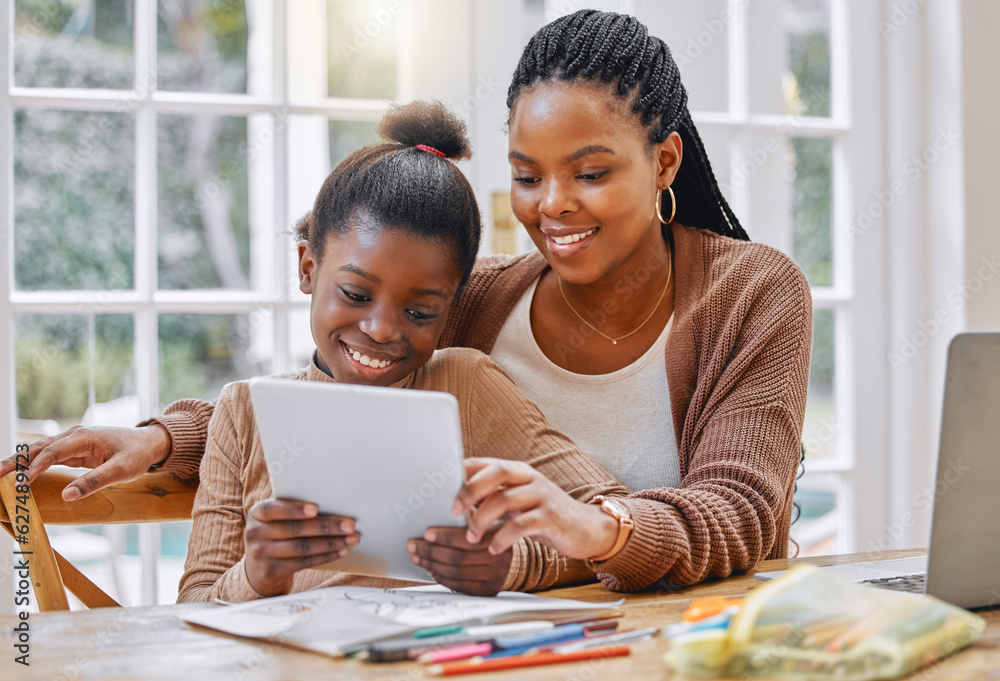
column 389, row 457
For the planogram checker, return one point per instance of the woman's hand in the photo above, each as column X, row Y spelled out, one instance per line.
column 283, row 537
column 459, row 564
column 535, row 507
column 115, row 454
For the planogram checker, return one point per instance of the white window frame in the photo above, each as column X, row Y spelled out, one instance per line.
column 271, row 263
column 858, row 465
column 742, row 124
column 493, row 32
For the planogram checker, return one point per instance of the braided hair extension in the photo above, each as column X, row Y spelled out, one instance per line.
column 617, row 49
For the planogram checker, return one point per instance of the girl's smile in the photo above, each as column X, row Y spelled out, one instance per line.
column 380, row 299
column 368, row 358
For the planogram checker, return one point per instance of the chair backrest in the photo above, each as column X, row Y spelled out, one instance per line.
column 154, row 497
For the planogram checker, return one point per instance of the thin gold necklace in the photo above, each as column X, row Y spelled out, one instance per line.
column 614, row 341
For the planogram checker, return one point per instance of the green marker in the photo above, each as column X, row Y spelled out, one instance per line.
column 439, row 631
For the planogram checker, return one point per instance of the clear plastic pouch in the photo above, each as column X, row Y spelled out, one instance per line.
column 810, row 625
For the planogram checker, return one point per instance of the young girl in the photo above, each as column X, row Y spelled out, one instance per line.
column 391, row 240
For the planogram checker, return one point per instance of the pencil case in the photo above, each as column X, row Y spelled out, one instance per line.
column 811, row 625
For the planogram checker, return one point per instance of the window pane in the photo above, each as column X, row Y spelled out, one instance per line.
column 790, row 58
column 200, row 353
column 812, row 199
column 349, row 136
column 300, row 342
column 309, row 152
column 108, row 555
column 790, row 183
column 351, row 52
column 716, row 141
column 697, row 34
column 74, row 368
column 808, row 26
column 73, row 199
column 361, row 48
column 819, row 432
column 202, row 45
column 173, row 551
column 169, row 567
column 819, row 519
column 73, row 43
column 203, row 233
column 316, row 145
column 764, row 170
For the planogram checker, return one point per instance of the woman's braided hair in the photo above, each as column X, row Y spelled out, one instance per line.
column 617, row 49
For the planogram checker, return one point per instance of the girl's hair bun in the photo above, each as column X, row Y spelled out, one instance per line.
column 429, row 123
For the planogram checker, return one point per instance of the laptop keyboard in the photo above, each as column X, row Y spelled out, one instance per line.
column 911, row 583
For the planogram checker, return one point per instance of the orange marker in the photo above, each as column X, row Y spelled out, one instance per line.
column 709, row 607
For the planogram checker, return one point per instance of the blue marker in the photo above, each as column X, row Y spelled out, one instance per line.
column 522, row 644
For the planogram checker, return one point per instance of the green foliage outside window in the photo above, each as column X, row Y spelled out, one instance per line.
column 53, row 364
column 75, row 201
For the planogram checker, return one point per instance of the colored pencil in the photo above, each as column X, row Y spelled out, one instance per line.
column 611, row 639
column 477, row 665
column 604, row 625
column 586, row 618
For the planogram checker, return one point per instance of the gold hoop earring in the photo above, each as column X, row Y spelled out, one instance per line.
column 673, row 205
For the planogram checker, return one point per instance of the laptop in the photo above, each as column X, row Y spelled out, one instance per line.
column 962, row 565
column 391, row 458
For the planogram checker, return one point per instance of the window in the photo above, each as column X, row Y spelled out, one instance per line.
column 768, row 94
column 162, row 150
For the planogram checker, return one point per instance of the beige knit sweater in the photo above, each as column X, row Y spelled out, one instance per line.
column 497, row 421
column 737, row 363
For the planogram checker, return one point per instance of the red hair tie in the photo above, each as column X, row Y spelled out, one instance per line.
column 430, row 150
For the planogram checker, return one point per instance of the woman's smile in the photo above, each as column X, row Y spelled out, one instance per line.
column 565, row 243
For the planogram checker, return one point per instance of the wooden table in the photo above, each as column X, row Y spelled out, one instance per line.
column 153, row 642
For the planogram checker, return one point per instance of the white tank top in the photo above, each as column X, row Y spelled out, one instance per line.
column 621, row 420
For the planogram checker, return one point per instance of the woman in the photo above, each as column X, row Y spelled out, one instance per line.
column 646, row 327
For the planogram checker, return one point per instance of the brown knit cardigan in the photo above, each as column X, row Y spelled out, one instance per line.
column 737, row 362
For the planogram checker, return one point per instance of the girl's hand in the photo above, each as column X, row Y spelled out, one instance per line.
column 115, row 454
column 536, row 507
column 458, row 564
column 283, row 537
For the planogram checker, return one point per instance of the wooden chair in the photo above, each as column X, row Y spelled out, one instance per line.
column 152, row 498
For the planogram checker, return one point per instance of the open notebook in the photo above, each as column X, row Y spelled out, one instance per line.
column 336, row 618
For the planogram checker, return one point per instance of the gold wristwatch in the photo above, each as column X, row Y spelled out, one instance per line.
column 619, row 511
